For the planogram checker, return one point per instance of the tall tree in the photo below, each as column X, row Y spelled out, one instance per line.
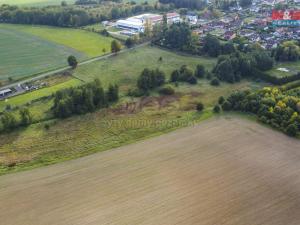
column 115, row 46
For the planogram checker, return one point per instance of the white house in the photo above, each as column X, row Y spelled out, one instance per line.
column 192, row 17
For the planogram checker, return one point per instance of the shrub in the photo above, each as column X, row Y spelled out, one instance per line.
column 215, row 82
column 168, row 90
column 47, row 126
column 208, row 76
column 72, row 61
column 217, row 109
column 135, row 92
column 226, row 106
column 200, row 71
column 221, row 100
column 175, row 76
column 192, row 80
column 129, row 42
column 292, row 130
column 7, row 107
column 199, row 106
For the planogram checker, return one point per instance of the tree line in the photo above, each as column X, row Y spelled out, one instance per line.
column 69, row 16
column 271, row 105
column 287, row 51
column 191, row 4
column 10, row 121
column 67, row 102
column 83, row 99
column 232, row 68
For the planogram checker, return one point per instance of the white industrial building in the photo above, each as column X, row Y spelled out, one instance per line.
column 5, row 92
column 137, row 23
column 136, row 26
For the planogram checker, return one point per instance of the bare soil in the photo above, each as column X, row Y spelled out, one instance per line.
column 224, row 171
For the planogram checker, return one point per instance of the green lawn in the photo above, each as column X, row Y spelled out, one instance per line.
column 293, row 67
column 88, row 43
column 23, row 54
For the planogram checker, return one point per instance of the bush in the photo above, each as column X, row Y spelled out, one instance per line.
column 72, row 61
column 168, row 90
column 47, row 126
column 292, row 130
column 8, row 108
column 217, row 109
column 135, row 93
column 215, row 82
column 208, row 76
column 175, row 76
column 129, row 42
column 226, row 106
column 192, row 80
column 200, row 71
column 221, row 100
column 199, row 106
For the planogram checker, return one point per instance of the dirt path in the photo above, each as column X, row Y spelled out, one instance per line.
column 225, row 171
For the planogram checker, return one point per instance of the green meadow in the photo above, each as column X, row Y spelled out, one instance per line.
column 28, row 50
column 126, row 67
column 88, row 43
column 23, row 54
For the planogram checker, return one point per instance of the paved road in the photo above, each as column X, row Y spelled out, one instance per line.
column 52, row 72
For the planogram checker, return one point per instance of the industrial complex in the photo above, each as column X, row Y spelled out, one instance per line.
column 137, row 23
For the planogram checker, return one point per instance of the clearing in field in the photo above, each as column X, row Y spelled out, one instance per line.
column 23, row 54
column 285, row 69
column 226, row 171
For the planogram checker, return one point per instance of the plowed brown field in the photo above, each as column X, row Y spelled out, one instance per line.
column 225, row 171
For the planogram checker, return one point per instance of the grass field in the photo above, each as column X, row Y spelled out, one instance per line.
column 88, row 43
column 34, row 2
column 83, row 135
column 125, row 68
column 226, row 171
column 293, row 67
column 27, row 50
column 116, row 70
column 22, row 54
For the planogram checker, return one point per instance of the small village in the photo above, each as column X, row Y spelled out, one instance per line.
column 253, row 24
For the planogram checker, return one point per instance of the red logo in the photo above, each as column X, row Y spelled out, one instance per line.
column 286, row 15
